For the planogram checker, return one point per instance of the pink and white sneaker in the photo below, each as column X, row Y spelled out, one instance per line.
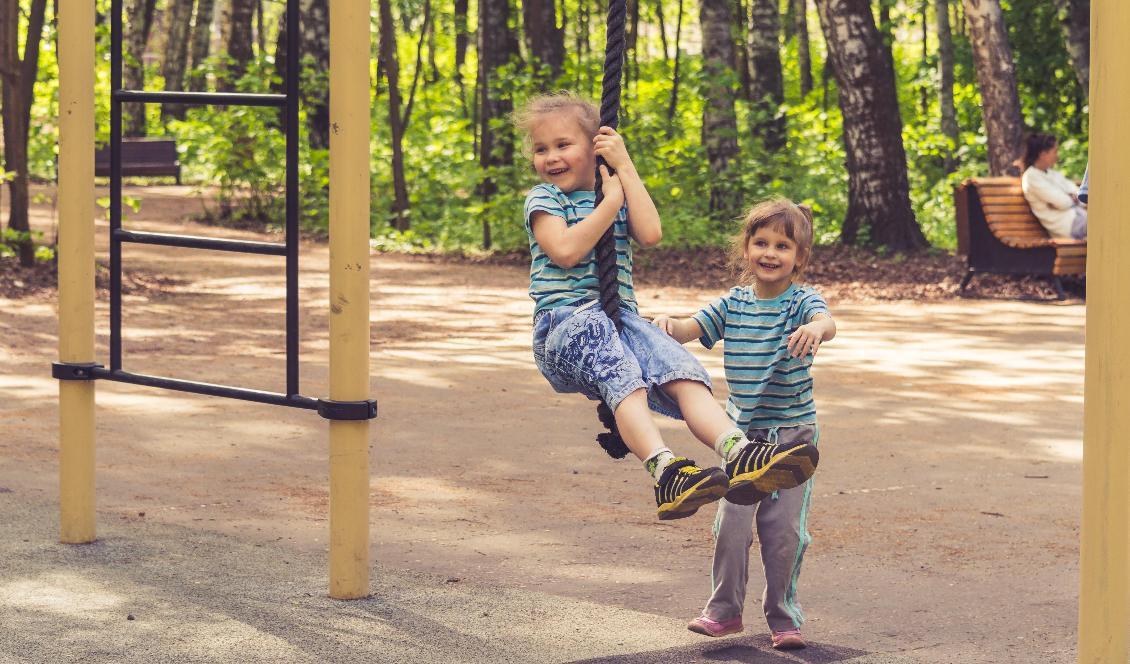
column 788, row 639
column 704, row 625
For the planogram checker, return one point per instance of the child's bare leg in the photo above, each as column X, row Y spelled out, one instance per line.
column 704, row 417
column 633, row 419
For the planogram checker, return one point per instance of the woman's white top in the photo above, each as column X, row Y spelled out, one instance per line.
column 1049, row 194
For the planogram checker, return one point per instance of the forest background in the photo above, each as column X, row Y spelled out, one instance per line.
column 870, row 111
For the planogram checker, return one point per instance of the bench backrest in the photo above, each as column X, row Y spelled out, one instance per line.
column 1006, row 212
column 141, row 151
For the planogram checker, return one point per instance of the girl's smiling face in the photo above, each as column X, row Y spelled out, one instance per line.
column 563, row 153
column 772, row 258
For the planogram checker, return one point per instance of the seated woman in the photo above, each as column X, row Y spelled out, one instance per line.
column 1054, row 198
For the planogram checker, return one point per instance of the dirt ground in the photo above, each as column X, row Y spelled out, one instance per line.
column 946, row 518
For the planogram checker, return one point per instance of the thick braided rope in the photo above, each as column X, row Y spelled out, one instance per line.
column 610, row 117
column 606, row 267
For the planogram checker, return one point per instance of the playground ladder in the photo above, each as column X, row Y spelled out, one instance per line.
column 335, row 410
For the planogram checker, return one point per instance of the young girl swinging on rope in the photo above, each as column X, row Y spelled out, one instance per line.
column 639, row 367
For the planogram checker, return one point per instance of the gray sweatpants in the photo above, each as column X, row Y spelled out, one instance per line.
column 782, row 532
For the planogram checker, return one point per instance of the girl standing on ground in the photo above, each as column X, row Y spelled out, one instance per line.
column 578, row 348
column 771, row 329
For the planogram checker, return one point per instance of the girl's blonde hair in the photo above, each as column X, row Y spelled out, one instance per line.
column 531, row 114
column 781, row 214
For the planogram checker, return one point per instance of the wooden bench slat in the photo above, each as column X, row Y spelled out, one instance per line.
column 1027, row 218
column 998, row 197
column 1007, row 208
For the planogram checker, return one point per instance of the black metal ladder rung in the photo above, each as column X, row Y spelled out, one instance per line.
column 211, row 389
column 198, row 242
column 200, row 98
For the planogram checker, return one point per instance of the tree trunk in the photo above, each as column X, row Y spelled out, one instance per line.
column 239, row 42
column 391, row 67
column 17, row 91
column 662, row 23
column 1000, row 104
column 278, row 81
column 133, row 65
column 742, row 46
column 315, row 45
column 545, row 42
column 260, row 29
column 767, row 87
column 496, row 45
column 719, row 120
column 878, row 191
column 631, row 37
column 418, row 71
column 673, row 104
column 461, row 42
column 201, row 43
column 945, row 74
column 176, row 53
column 1077, row 35
column 887, row 29
column 804, row 51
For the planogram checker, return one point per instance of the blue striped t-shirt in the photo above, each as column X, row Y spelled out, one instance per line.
column 768, row 386
column 554, row 286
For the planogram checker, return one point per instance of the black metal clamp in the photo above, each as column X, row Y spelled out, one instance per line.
column 74, row 370
column 347, row 410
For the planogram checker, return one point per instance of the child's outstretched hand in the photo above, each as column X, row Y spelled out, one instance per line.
column 663, row 323
column 612, row 188
column 805, row 339
column 610, row 145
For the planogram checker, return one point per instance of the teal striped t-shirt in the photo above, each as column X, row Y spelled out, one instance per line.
column 553, row 286
column 768, row 386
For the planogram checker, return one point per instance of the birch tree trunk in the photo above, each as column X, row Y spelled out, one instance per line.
column 545, row 42
column 140, row 15
column 1077, row 35
column 719, row 120
column 177, row 30
column 201, row 44
column 391, row 66
column 496, row 46
column 878, row 190
column 996, row 76
column 945, row 75
column 804, row 51
column 17, row 91
column 766, row 82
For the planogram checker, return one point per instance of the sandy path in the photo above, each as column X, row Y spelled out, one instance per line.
column 947, row 503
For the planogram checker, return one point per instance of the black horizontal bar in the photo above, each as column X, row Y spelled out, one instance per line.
column 210, row 389
column 197, row 242
column 200, row 98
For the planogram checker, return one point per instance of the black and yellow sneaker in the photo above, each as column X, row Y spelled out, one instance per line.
column 684, row 487
column 761, row 468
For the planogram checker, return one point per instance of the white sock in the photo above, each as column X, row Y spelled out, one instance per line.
column 729, row 444
column 658, row 462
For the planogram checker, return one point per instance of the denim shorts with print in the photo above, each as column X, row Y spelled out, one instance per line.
column 577, row 350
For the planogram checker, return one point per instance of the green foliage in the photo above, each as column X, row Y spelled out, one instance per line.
column 11, row 240
column 237, row 153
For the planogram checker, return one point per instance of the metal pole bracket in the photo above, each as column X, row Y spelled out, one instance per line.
column 74, row 371
column 347, row 410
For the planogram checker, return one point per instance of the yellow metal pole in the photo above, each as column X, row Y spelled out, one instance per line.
column 1104, row 602
column 76, row 268
column 349, row 295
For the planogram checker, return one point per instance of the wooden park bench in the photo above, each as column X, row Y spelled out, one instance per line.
column 997, row 232
column 141, row 156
